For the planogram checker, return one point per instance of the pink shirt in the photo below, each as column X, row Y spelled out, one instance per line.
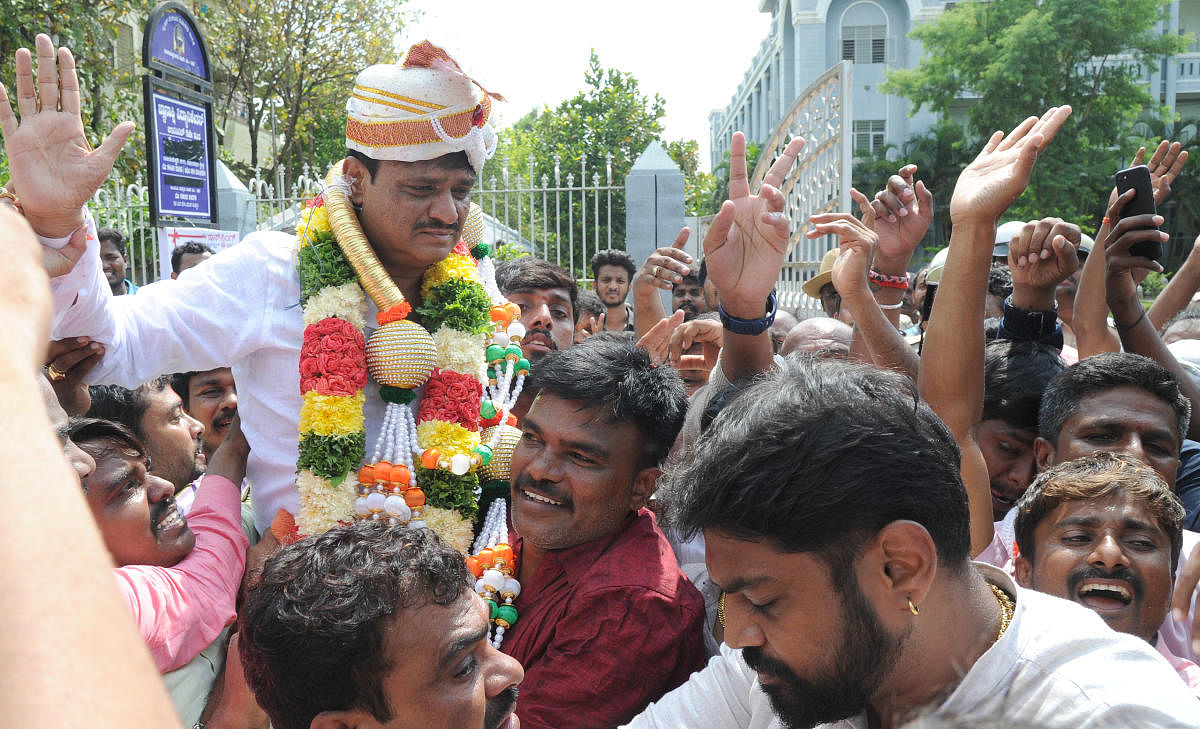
column 1188, row 671
column 180, row 610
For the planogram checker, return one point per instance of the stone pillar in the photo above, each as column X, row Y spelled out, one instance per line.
column 654, row 206
column 235, row 204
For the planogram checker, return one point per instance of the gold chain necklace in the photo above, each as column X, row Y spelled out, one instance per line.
column 1007, row 609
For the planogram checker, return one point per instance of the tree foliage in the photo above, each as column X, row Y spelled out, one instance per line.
column 108, row 82
column 610, row 116
column 1015, row 58
column 698, row 186
column 303, row 56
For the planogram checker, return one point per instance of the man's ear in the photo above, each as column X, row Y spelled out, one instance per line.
column 346, row 719
column 902, row 562
column 355, row 173
column 1043, row 453
column 643, row 487
column 1023, row 571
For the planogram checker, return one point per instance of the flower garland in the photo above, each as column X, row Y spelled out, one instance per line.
column 468, row 316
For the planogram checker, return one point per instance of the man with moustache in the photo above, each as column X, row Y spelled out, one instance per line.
column 548, row 298
column 607, row 620
column 155, row 414
column 688, row 296
column 410, row 187
column 400, row 641
column 211, row 398
column 1105, row 531
column 849, row 594
column 179, row 575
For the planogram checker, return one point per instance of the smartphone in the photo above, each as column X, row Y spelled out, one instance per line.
column 1138, row 179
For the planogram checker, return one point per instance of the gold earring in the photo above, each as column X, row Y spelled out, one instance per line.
column 913, row 608
column 721, row 609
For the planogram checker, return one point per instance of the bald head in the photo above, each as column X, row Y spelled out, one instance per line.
column 820, row 334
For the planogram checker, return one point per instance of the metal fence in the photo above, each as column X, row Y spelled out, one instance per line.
column 126, row 208
column 820, row 179
column 565, row 217
column 561, row 217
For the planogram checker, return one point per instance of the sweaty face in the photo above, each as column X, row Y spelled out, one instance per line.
column 688, row 296
column 412, row 212
column 212, row 400
column 819, row 648
column 1008, row 451
column 444, row 674
column 173, row 439
column 612, row 284
column 1106, row 554
column 574, row 473
column 112, row 263
column 1125, row 420
column 548, row 319
column 135, row 511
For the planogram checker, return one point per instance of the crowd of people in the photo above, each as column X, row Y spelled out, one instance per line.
column 966, row 496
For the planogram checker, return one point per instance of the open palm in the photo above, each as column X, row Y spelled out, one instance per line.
column 990, row 184
column 54, row 169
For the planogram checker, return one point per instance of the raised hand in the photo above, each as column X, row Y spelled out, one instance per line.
column 1165, row 165
column 1123, row 267
column 52, row 164
column 657, row 341
column 748, row 239
column 666, row 266
column 1042, row 256
column 990, row 184
column 858, row 247
column 903, row 212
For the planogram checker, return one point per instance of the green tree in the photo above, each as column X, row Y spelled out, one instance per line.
column 1015, row 58
column 611, row 116
column 108, row 81
column 698, row 186
column 302, row 56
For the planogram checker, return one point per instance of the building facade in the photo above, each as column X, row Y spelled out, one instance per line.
column 809, row 36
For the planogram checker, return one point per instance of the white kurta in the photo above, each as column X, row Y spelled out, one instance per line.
column 238, row 309
column 1058, row 666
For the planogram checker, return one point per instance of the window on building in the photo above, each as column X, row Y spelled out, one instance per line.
column 864, row 43
column 868, row 136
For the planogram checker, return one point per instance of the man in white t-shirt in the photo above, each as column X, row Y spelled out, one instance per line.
column 849, row 595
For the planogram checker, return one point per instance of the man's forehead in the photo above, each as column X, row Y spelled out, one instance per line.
column 422, row 637
column 1119, row 507
column 1130, row 404
column 551, row 294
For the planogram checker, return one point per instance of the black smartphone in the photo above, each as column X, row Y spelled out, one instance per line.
column 1138, row 179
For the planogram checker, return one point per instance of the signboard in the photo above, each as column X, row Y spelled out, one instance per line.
column 179, row 136
column 177, row 98
column 170, row 238
column 173, row 44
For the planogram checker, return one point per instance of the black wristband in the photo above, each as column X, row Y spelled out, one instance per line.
column 750, row 327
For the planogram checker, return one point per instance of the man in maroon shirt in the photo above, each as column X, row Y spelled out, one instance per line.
column 607, row 621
